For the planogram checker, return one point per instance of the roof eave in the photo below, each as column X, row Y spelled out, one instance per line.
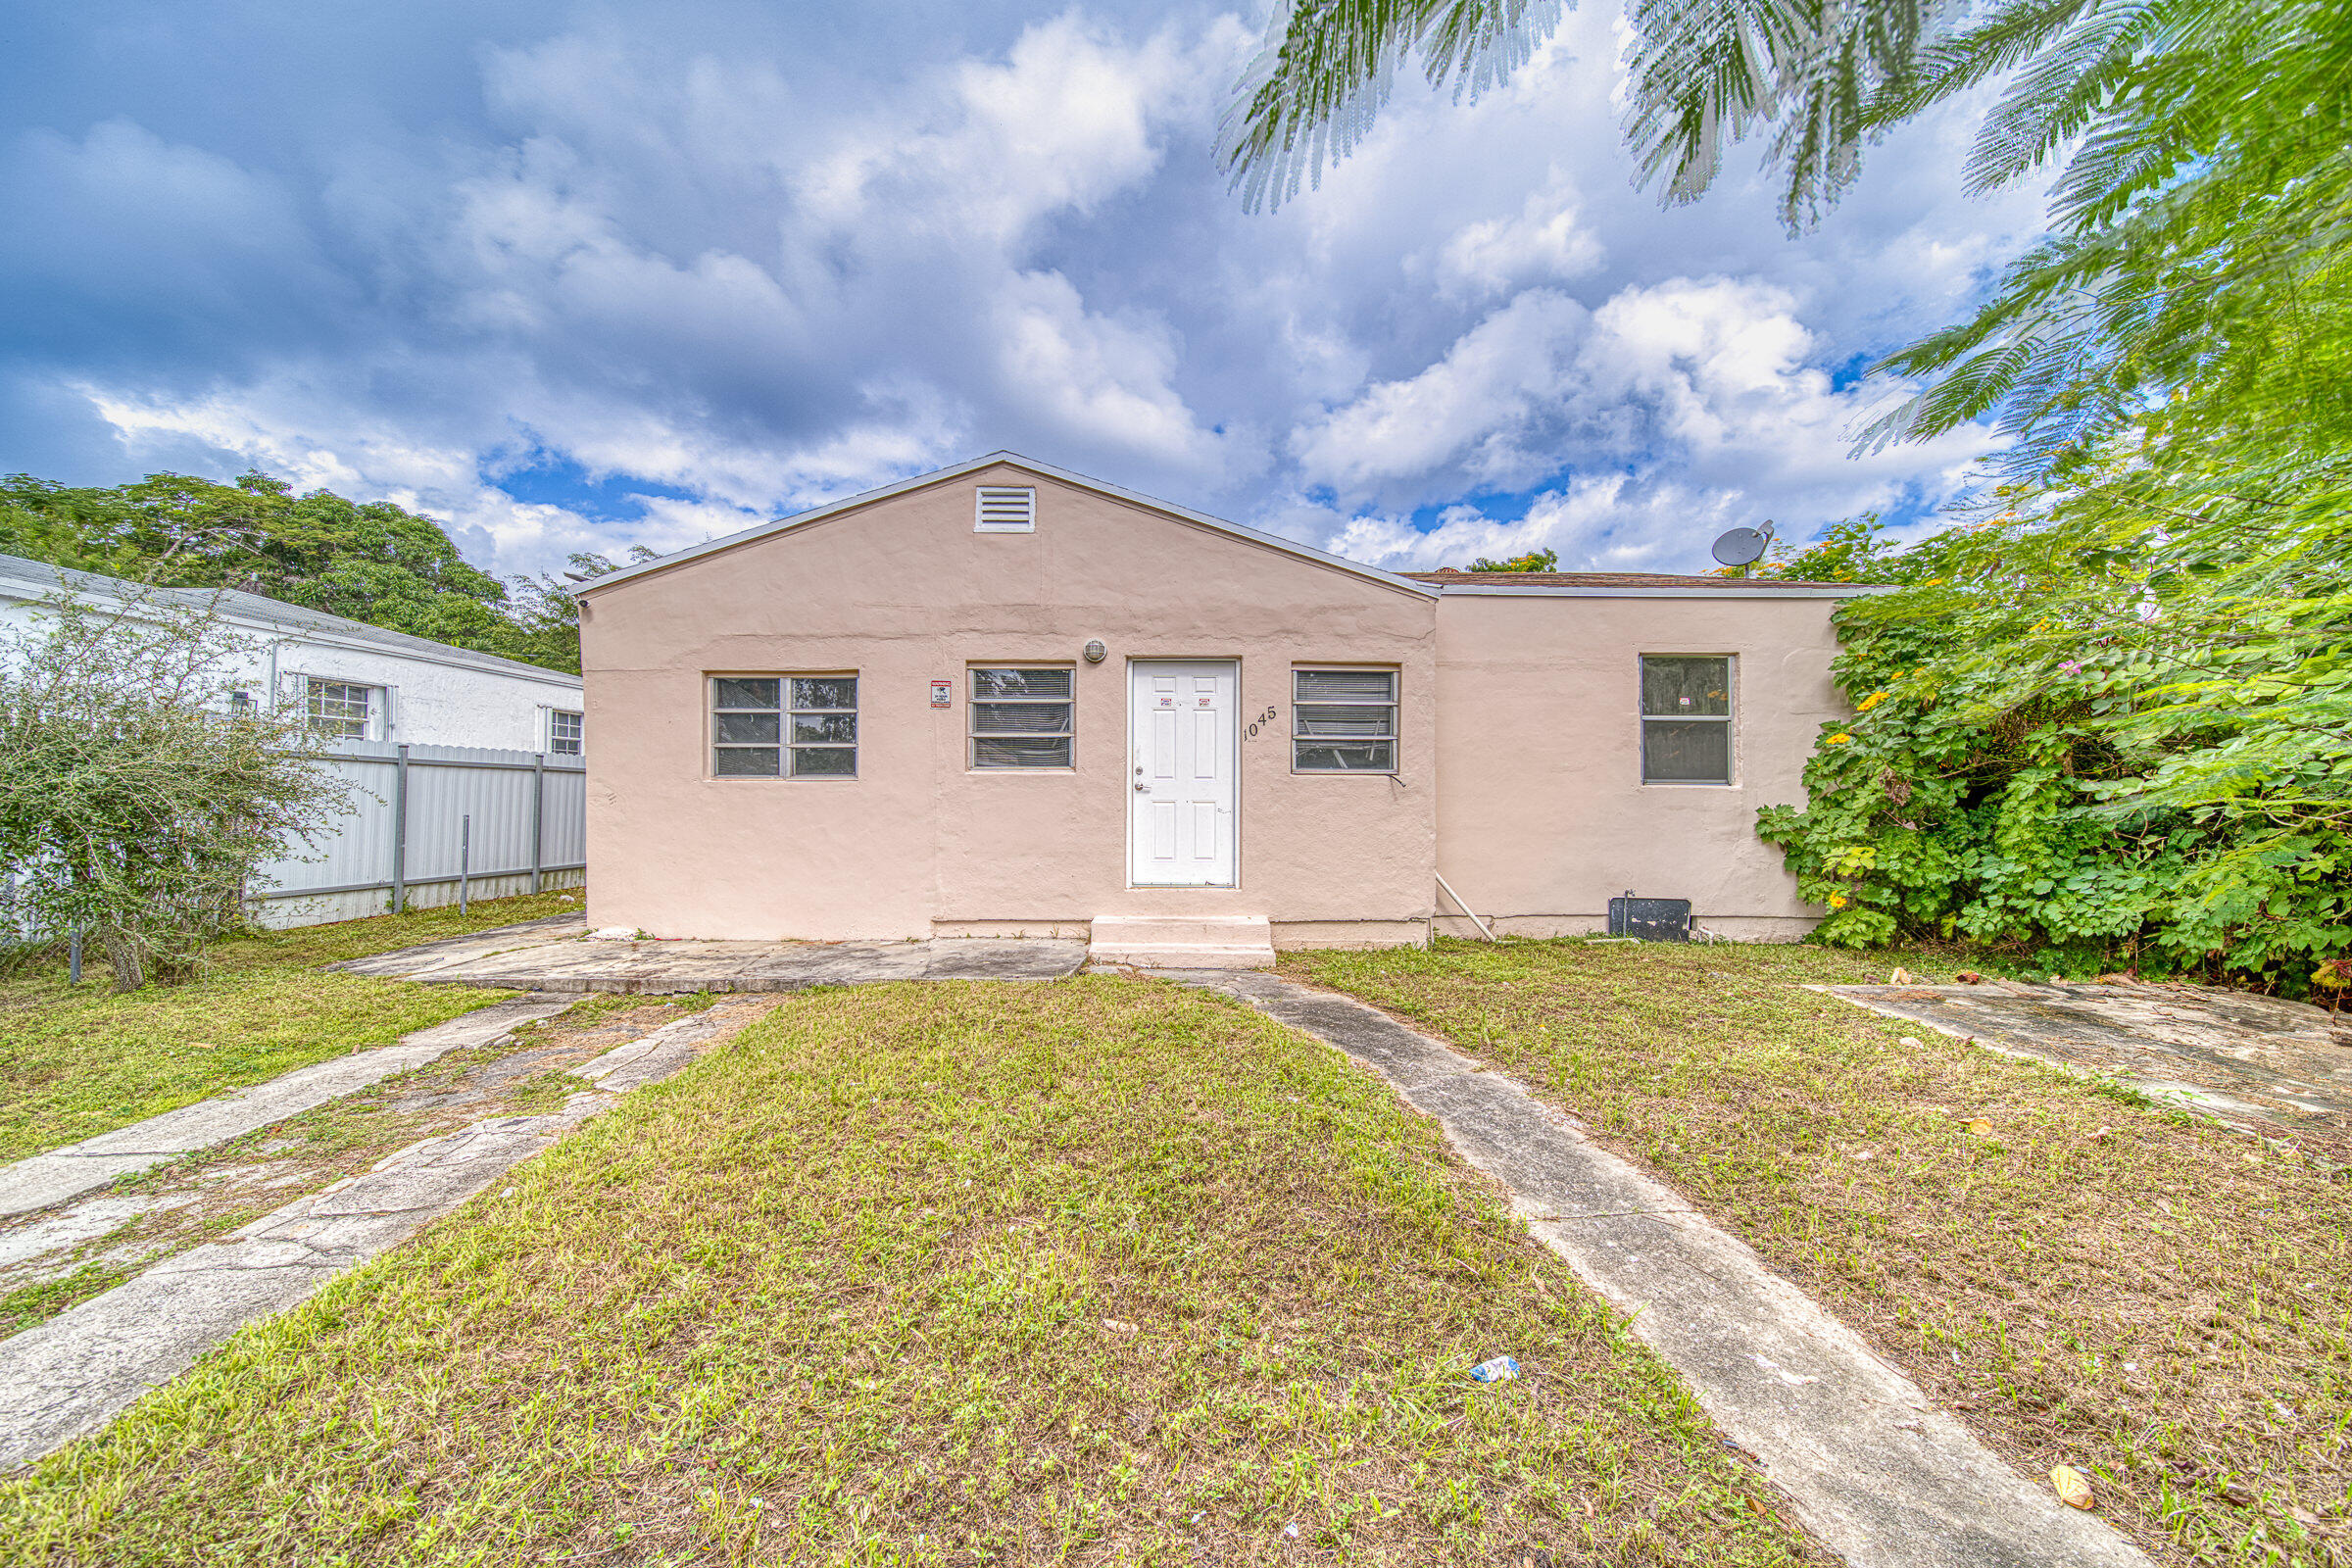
column 1515, row 591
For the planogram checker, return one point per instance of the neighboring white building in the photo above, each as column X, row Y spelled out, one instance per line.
column 468, row 771
column 356, row 681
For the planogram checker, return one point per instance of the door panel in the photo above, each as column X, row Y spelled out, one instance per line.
column 1182, row 773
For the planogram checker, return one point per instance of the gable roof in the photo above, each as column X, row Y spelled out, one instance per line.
column 1013, row 460
column 33, row 580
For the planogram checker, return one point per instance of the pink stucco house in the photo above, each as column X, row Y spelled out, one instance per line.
column 1003, row 700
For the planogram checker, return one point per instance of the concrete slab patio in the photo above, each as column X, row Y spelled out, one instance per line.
column 560, row 956
column 1877, row 1473
column 2263, row 1065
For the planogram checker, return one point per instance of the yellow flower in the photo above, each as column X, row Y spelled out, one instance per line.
column 1836, row 901
column 1870, row 701
column 1839, row 739
column 1934, row 582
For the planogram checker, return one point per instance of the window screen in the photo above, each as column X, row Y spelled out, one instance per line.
column 1022, row 718
column 784, row 727
column 1343, row 721
column 564, row 732
column 1686, row 718
column 340, row 710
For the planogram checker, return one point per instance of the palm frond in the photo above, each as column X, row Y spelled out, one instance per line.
column 1312, row 95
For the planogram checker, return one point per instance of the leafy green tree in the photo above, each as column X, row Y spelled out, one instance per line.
column 372, row 561
column 1533, row 561
column 547, row 617
column 136, row 805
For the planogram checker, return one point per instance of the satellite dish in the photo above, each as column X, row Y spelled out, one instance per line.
column 1743, row 545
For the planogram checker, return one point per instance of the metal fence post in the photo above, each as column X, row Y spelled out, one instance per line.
column 465, row 857
column 73, row 958
column 400, row 829
column 538, row 816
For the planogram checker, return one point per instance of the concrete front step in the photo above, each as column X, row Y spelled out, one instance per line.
column 1183, row 942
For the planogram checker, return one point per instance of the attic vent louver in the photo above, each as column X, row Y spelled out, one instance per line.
column 1000, row 510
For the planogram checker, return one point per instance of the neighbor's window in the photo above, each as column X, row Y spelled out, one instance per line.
column 340, row 710
column 1686, row 718
column 564, row 732
column 1343, row 721
column 784, row 727
column 1021, row 717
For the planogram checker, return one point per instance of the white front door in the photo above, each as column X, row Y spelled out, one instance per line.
column 1181, row 820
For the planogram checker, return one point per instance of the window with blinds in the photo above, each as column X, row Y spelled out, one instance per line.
column 1343, row 721
column 1022, row 717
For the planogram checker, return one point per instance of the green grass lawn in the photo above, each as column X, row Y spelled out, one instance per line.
column 2163, row 1303
column 78, row 1061
column 1095, row 1271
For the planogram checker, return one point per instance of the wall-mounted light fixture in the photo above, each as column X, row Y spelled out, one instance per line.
column 1094, row 652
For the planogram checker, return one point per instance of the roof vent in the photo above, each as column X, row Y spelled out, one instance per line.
column 1000, row 510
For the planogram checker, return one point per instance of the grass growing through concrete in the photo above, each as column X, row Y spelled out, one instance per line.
column 79, row 1060
column 213, row 1191
column 1097, row 1271
column 2163, row 1303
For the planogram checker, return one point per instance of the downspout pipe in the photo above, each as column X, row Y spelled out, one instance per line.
column 1464, row 907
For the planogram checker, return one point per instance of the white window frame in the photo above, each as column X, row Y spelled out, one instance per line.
column 373, row 702
column 1728, row 718
column 786, row 711
column 579, row 734
column 1004, row 508
column 973, row 735
column 1394, row 704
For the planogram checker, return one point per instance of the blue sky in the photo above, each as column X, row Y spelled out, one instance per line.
column 581, row 276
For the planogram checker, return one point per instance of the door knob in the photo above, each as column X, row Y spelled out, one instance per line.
column 1142, row 789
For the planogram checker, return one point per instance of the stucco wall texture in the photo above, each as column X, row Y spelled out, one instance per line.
column 1518, row 740
column 1542, row 817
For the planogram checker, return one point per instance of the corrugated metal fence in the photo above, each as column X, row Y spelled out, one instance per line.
column 424, row 821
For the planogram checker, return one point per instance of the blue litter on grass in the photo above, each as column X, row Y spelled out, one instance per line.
column 1501, row 1369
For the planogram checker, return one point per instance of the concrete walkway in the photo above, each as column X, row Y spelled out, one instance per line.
column 558, row 954
column 1878, row 1474
column 69, row 1377
column 49, row 1178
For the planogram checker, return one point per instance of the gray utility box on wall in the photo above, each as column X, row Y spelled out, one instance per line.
column 1651, row 919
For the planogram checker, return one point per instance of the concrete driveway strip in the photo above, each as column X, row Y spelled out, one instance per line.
column 558, row 955
column 69, row 1377
column 77, row 1169
column 1877, row 1472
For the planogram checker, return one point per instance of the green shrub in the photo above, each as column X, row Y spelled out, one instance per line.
column 2115, row 730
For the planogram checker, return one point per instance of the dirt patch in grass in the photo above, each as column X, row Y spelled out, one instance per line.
column 103, row 1239
column 1097, row 1271
column 78, row 1061
column 2087, row 1278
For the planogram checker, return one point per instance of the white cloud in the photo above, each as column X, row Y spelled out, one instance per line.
column 1544, row 242
column 1469, row 408
column 1706, row 390
column 762, row 258
column 1098, row 378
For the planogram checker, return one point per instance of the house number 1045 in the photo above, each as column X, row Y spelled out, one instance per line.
column 1263, row 719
